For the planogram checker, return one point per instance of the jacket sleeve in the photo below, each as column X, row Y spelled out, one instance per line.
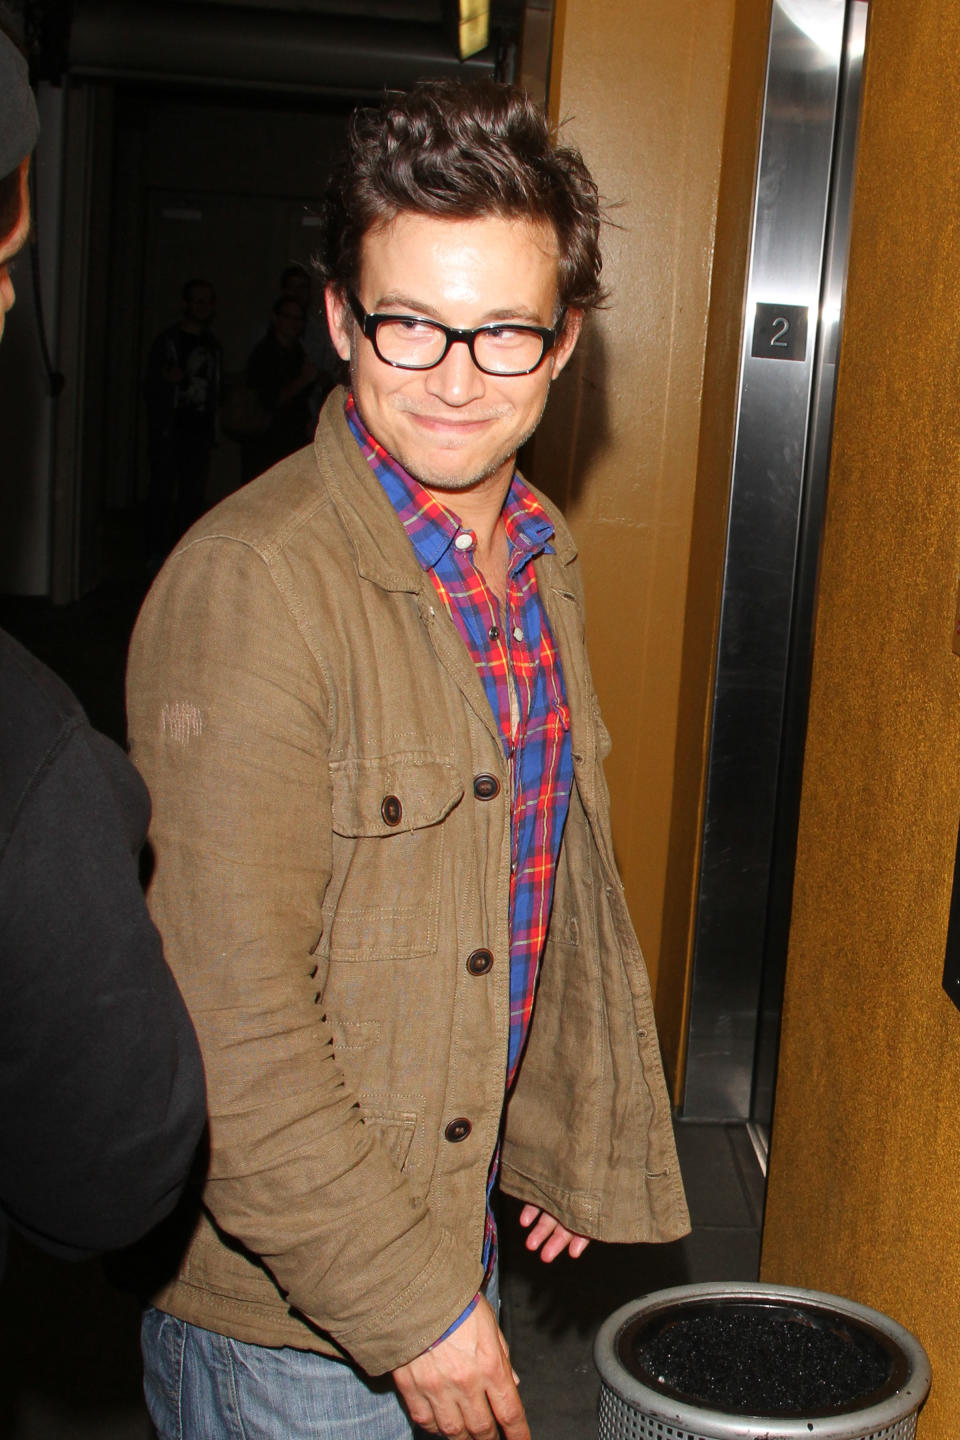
column 100, row 1073
column 230, row 718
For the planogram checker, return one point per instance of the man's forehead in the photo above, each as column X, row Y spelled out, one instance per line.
column 409, row 251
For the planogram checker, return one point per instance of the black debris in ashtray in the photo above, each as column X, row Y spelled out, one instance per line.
column 752, row 1362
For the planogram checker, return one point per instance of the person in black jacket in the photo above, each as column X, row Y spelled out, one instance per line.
column 102, row 1100
column 182, row 393
column 281, row 376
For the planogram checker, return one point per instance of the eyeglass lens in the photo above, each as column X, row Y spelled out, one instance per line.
column 420, row 344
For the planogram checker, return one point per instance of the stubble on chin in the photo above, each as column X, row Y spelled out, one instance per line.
column 465, row 480
column 442, row 478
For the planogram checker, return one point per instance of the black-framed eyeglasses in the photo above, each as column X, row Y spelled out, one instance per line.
column 409, row 342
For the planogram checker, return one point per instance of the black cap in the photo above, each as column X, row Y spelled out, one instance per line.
column 19, row 122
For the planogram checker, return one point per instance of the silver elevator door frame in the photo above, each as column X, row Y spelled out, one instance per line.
column 791, row 334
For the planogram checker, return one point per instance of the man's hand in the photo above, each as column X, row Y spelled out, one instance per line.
column 465, row 1387
column 557, row 1237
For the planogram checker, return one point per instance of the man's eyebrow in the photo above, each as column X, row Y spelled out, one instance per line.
column 397, row 300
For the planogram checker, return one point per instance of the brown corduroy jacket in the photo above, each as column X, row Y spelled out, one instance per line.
column 310, row 726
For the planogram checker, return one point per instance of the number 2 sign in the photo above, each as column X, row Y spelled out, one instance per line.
column 780, row 332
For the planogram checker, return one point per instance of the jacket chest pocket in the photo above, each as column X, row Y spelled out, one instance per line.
column 388, row 855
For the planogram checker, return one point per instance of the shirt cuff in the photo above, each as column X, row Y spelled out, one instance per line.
column 458, row 1322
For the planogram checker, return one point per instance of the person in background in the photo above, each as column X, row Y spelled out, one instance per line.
column 385, row 871
column 101, row 1083
column 182, row 393
column 281, row 377
column 318, row 347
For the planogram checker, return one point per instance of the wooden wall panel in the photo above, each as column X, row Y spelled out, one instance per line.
column 864, row 1193
column 664, row 100
column 642, row 91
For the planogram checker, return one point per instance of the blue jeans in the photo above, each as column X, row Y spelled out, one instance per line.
column 203, row 1386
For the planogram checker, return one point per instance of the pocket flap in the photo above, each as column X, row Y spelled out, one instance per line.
column 392, row 794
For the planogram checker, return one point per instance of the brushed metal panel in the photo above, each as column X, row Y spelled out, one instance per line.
column 772, row 477
column 805, row 589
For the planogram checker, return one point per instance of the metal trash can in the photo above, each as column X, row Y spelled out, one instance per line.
column 733, row 1361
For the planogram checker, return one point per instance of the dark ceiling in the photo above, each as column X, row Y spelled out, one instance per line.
column 139, row 38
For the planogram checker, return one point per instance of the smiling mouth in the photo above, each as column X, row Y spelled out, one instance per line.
column 454, row 427
column 454, row 418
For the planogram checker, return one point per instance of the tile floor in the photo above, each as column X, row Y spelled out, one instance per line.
column 70, row 1368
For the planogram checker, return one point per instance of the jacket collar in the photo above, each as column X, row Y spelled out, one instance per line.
column 384, row 553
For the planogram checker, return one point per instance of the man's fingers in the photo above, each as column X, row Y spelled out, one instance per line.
column 418, row 1406
column 541, row 1231
column 464, row 1387
column 549, row 1233
column 555, row 1245
column 563, row 1239
column 508, row 1408
column 479, row 1424
column 474, row 1419
column 454, row 1425
column 440, row 1416
column 506, row 1355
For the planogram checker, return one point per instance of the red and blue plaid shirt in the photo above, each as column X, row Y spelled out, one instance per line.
column 520, row 669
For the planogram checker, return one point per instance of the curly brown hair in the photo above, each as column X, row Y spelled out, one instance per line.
column 461, row 150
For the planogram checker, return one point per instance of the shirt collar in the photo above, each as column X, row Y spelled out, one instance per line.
column 430, row 527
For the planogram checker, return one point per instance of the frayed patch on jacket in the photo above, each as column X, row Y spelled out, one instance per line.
column 181, row 721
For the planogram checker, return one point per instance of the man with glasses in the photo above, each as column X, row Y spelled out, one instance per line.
column 360, row 696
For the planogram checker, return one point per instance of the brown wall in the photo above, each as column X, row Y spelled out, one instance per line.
column 645, row 91
column 864, row 1194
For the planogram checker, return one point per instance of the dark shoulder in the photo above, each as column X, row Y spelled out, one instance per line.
column 37, row 712
column 30, row 692
column 43, row 724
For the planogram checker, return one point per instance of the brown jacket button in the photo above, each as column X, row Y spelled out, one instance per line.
column 458, row 1129
column 391, row 810
column 486, row 787
column 479, row 962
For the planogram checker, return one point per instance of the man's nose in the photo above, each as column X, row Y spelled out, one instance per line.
column 456, row 380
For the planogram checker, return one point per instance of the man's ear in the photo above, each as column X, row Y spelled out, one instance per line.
column 572, row 325
column 338, row 319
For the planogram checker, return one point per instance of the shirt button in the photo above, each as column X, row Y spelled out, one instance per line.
column 517, row 633
column 486, row 787
column 479, row 962
column 465, row 540
column 494, row 632
column 457, row 1130
column 391, row 810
